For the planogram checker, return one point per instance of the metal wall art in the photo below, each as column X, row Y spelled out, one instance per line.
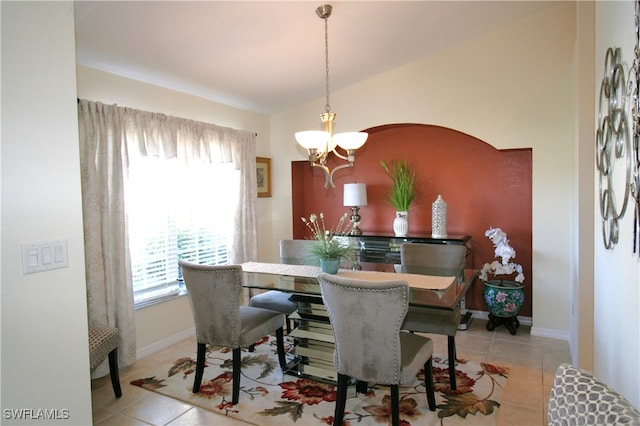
column 616, row 149
column 634, row 81
column 613, row 146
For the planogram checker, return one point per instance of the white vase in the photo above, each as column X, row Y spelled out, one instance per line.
column 401, row 224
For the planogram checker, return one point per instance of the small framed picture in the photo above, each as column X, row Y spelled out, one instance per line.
column 263, row 175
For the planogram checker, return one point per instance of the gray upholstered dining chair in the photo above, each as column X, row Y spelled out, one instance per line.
column 366, row 317
column 292, row 252
column 433, row 320
column 220, row 320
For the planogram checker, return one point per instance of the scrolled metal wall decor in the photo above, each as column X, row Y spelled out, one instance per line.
column 613, row 146
column 617, row 145
column 634, row 90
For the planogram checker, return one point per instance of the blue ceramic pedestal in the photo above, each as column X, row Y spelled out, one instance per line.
column 504, row 300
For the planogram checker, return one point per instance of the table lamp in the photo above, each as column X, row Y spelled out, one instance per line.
column 355, row 196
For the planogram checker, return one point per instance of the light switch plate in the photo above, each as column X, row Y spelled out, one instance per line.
column 44, row 256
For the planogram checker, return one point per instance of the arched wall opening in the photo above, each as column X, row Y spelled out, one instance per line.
column 484, row 187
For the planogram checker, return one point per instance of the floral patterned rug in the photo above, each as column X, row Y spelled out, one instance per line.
column 268, row 397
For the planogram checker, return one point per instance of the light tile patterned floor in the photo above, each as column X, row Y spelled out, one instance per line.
column 533, row 362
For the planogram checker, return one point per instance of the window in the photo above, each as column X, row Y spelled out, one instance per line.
column 176, row 212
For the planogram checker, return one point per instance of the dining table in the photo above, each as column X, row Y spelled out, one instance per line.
column 312, row 340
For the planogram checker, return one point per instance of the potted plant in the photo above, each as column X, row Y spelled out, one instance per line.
column 504, row 298
column 331, row 244
column 401, row 194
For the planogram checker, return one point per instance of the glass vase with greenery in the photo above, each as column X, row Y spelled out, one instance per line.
column 403, row 190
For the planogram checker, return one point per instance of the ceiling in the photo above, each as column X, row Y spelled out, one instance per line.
column 267, row 56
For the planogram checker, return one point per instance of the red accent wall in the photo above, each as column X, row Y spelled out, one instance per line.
column 483, row 187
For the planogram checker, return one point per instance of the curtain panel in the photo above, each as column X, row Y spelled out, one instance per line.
column 109, row 137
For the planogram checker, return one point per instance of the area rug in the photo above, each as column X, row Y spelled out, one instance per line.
column 268, row 397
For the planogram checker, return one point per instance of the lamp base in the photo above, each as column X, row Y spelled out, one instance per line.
column 355, row 220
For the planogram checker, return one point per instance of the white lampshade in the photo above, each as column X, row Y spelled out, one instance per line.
column 313, row 139
column 350, row 140
column 355, row 194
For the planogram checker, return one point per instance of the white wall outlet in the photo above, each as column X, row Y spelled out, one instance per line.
column 44, row 256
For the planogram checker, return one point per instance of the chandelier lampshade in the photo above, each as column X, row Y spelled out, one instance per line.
column 313, row 140
column 350, row 140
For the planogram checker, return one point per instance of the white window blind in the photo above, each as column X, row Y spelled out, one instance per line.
column 176, row 212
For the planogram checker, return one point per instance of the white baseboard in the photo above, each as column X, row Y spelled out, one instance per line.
column 535, row 331
column 165, row 343
column 550, row 333
column 485, row 316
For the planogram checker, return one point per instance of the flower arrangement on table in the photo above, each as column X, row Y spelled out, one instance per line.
column 505, row 253
column 330, row 245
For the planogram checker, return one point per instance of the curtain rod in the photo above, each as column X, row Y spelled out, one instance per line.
column 78, row 101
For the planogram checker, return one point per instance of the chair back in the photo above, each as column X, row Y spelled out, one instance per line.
column 296, row 252
column 214, row 292
column 449, row 256
column 579, row 398
column 366, row 317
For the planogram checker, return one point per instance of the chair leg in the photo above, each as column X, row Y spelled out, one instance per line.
column 452, row 361
column 280, row 346
column 113, row 372
column 428, row 383
column 202, row 352
column 395, row 405
column 235, row 397
column 341, row 399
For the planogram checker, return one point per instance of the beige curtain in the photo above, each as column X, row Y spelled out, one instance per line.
column 107, row 267
column 109, row 136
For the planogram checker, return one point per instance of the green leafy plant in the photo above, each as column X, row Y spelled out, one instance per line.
column 331, row 243
column 403, row 190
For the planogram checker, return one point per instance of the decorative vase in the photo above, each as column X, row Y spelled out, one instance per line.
column 401, row 224
column 504, row 300
column 439, row 218
column 330, row 266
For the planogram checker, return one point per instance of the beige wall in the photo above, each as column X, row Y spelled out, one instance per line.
column 514, row 87
column 45, row 355
column 581, row 299
column 617, row 271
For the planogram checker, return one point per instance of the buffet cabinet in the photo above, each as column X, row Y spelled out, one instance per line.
column 382, row 248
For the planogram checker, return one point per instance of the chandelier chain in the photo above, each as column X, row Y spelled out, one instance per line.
column 320, row 143
column 327, row 106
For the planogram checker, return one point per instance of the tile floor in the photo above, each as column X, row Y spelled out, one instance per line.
column 533, row 362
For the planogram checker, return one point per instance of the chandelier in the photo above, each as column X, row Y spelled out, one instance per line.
column 319, row 143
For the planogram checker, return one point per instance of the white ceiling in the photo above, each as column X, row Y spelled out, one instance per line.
column 268, row 56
